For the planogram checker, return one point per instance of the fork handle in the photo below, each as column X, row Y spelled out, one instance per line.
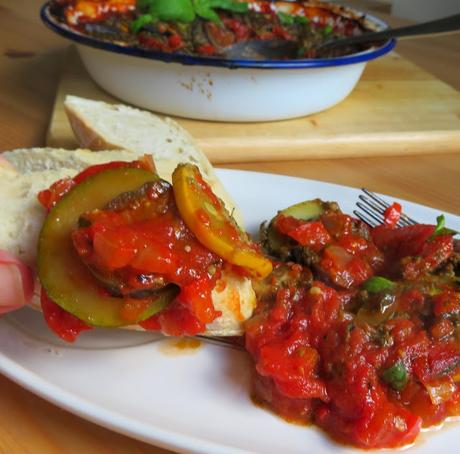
column 450, row 24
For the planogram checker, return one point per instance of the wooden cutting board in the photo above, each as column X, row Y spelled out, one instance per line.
column 396, row 109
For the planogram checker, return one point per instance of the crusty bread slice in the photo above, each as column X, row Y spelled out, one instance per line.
column 36, row 169
column 22, row 217
column 101, row 126
column 26, row 160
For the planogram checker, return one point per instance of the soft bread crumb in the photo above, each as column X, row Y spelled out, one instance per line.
column 39, row 159
column 37, row 169
column 21, row 214
column 234, row 296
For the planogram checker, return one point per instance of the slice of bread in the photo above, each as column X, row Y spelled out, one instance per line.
column 26, row 160
column 101, row 126
column 29, row 172
column 25, row 172
column 21, row 214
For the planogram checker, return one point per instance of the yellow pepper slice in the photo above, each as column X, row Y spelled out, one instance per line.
column 206, row 216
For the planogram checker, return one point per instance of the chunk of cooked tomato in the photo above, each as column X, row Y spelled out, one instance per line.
column 311, row 234
column 63, row 323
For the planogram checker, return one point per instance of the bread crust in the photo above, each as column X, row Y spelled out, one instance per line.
column 86, row 136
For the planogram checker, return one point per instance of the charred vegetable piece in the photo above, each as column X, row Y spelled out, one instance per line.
column 282, row 246
column 284, row 275
column 377, row 309
column 306, row 211
column 206, row 216
column 65, row 278
column 379, row 301
column 148, row 202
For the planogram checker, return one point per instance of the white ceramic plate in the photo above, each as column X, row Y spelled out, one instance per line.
column 194, row 401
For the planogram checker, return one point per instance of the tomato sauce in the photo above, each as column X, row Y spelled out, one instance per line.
column 365, row 342
column 64, row 324
column 135, row 246
column 141, row 239
column 370, row 351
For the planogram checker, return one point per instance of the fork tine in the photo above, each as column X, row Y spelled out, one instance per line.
column 221, row 341
column 377, row 208
column 370, row 222
column 405, row 220
column 375, row 198
column 408, row 220
column 371, row 213
column 374, row 208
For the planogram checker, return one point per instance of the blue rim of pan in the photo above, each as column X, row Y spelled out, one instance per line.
column 86, row 40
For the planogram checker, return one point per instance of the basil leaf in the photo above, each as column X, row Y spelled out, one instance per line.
column 396, row 376
column 204, row 10
column 171, row 10
column 441, row 229
column 301, row 20
column 327, row 30
column 378, row 284
column 230, row 5
column 142, row 20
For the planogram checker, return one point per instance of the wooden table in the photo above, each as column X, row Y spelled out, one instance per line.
column 30, row 58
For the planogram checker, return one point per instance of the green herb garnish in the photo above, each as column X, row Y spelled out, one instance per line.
column 328, row 30
column 286, row 19
column 301, row 20
column 289, row 19
column 183, row 10
column 166, row 10
column 396, row 376
column 206, row 8
column 230, row 5
column 441, row 229
column 378, row 284
column 140, row 21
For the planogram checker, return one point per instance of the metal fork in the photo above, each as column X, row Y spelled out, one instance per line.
column 373, row 208
column 229, row 342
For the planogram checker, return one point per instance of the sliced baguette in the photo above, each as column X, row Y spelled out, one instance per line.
column 101, row 126
column 21, row 214
column 26, row 160
column 31, row 170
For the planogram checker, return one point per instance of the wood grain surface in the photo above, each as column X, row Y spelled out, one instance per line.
column 30, row 67
column 396, row 109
